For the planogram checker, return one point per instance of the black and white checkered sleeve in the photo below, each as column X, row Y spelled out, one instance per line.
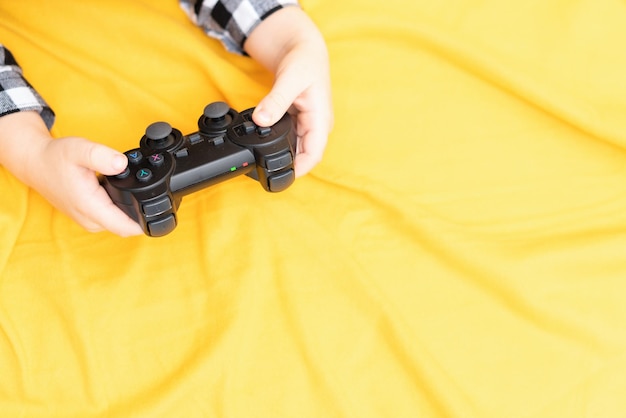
column 231, row 21
column 16, row 94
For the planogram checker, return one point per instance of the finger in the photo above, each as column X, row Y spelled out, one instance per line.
column 98, row 211
column 104, row 215
column 288, row 86
column 311, row 145
column 97, row 157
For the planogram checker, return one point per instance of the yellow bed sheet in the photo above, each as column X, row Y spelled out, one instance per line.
column 460, row 251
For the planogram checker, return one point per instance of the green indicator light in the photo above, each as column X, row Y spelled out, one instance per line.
column 233, row 168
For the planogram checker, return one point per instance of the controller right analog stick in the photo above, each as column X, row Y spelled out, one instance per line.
column 215, row 118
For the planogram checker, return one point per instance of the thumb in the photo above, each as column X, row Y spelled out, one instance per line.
column 287, row 87
column 97, row 157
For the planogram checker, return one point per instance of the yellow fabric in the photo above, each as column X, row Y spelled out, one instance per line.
column 460, row 251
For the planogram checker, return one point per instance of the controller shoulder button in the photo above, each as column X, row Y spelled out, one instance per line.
column 157, row 207
column 280, row 181
column 278, row 161
column 163, row 226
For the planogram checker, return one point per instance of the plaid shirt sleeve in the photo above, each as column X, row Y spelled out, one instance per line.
column 231, row 21
column 16, row 94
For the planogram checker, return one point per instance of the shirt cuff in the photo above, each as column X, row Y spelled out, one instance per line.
column 16, row 94
column 231, row 21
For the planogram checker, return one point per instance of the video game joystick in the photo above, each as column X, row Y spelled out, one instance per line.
column 169, row 165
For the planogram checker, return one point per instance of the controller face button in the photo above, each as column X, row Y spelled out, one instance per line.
column 123, row 174
column 134, row 156
column 278, row 162
column 264, row 130
column 157, row 208
column 162, row 226
column 156, row 160
column 144, row 175
column 280, row 181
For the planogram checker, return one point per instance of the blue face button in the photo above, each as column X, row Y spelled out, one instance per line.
column 134, row 156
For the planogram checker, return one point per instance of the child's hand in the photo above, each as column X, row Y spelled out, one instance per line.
column 64, row 172
column 289, row 44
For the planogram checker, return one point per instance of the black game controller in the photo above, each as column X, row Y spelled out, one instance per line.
column 169, row 165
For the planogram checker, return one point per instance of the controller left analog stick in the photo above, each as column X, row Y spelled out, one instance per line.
column 159, row 135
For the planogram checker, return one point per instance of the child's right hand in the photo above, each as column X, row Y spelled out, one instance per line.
column 64, row 171
column 289, row 44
